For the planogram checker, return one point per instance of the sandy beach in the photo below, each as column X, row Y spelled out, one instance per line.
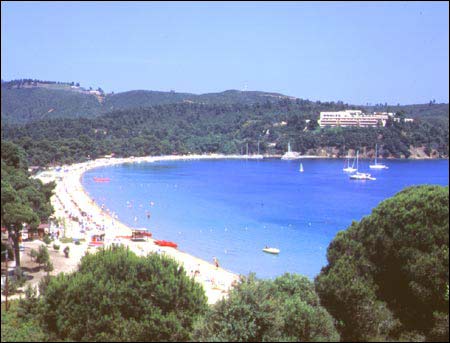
column 82, row 218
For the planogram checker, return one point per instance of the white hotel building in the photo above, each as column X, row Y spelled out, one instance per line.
column 353, row 118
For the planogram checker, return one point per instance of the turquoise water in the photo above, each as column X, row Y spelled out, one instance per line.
column 232, row 209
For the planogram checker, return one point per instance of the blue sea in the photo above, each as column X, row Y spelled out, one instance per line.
column 232, row 209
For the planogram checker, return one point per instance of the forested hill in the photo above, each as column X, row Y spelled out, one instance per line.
column 143, row 98
column 22, row 105
column 197, row 128
column 24, row 101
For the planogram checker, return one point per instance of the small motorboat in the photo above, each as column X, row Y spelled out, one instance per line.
column 271, row 250
column 162, row 243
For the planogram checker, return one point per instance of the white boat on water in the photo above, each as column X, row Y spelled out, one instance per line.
column 253, row 156
column 360, row 176
column 349, row 169
column 301, row 168
column 258, row 155
column 290, row 155
column 377, row 165
column 271, row 250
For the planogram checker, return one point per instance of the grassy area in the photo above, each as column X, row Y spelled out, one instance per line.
column 16, row 329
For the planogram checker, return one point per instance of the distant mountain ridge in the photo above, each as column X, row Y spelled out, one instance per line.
column 24, row 101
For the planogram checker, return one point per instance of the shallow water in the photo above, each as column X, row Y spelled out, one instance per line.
column 232, row 209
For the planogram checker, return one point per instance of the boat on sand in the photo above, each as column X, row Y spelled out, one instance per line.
column 163, row 243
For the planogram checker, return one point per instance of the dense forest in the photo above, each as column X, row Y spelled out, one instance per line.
column 198, row 128
column 28, row 100
column 60, row 125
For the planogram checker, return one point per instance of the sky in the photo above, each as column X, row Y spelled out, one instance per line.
column 356, row 52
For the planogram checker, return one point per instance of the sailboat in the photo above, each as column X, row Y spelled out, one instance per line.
column 377, row 165
column 290, row 155
column 358, row 175
column 258, row 155
column 301, row 167
column 348, row 168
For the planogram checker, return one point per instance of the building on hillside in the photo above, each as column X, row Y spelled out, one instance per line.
column 349, row 118
column 393, row 117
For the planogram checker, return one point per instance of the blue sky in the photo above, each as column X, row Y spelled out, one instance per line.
column 357, row 52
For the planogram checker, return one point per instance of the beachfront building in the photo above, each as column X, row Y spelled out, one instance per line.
column 355, row 118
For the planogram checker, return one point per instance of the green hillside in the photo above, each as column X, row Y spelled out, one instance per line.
column 30, row 104
column 23, row 102
column 196, row 128
column 29, row 100
column 413, row 111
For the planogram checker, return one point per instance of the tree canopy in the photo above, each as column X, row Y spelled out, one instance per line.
column 118, row 296
column 24, row 200
column 286, row 309
column 217, row 128
column 387, row 275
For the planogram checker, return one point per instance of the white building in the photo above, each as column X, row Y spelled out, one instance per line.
column 393, row 117
column 352, row 118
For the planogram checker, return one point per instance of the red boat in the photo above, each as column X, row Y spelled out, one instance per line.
column 102, row 179
column 166, row 244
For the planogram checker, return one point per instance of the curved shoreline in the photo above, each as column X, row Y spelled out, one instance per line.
column 84, row 217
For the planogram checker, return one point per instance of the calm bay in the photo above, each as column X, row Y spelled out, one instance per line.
column 232, row 209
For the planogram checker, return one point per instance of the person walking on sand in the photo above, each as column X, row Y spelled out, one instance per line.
column 216, row 262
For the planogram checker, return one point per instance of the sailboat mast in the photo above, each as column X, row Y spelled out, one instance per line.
column 357, row 160
column 376, row 153
column 258, row 147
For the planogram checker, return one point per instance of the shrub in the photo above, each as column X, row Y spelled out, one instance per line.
column 7, row 247
column 33, row 254
column 56, row 246
column 42, row 256
column 286, row 309
column 48, row 267
column 47, row 239
column 119, row 296
column 16, row 328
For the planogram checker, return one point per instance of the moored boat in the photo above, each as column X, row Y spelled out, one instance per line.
column 290, row 155
column 360, row 176
column 350, row 169
column 271, row 250
column 377, row 165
